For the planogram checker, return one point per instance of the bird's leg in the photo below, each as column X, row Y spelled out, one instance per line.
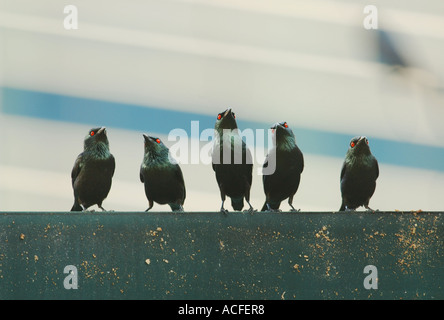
column 250, row 210
column 222, row 195
column 222, row 209
column 247, row 198
column 103, row 209
column 290, row 202
column 150, row 205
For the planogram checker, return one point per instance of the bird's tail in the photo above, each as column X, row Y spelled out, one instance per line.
column 76, row 207
column 342, row 208
column 237, row 203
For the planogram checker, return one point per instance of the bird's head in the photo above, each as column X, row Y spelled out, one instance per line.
column 359, row 146
column 154, row 146
column 226, row 120
column 283, row 135
column 96, row 137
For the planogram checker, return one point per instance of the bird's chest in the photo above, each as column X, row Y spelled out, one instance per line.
column 96, row 169
column 359, row 172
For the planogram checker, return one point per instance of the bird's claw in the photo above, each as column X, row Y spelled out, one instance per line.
column 250, row 211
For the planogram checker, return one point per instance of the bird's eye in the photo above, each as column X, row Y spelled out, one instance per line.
column 91, row 133
column 219, row 117
column 234, row 115
column 158, row 140
column 366, row 140
column 285, row 125
column 352, row 144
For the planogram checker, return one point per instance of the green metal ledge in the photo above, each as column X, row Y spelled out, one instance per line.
column 161, row 255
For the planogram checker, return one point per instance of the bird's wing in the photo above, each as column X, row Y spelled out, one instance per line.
column 265, row 176
column 302, row 162
column 141, row 175
column 76, row 169
column 376, row 169
column 344, row 167
column 113, row 163
column 179, row 177
column 249, row 163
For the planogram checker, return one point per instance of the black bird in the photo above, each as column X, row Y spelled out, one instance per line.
column 161, row 175
column 282, row 168
column 358, row 175
column 232, row 162
column 93, row 171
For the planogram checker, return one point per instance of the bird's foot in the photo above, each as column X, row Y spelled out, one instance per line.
column 295, row 210
column 177, row 208
column 251, row 211
column 104, row 210
column 223, row 210
column 370, row 209
column 270, row 209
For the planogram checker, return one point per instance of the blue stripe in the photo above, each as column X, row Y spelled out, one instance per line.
column 151, row 119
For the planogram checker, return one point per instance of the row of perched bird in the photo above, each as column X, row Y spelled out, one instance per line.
column 164, row 184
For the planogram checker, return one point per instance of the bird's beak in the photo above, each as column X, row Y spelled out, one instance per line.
column 102, row 129
column 227, row 112
column 277, row 127
column 361, row 138
column 147, row 138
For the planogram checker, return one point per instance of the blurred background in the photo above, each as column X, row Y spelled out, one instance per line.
column 152, row 66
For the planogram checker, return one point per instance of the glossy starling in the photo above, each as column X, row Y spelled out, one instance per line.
column 93, row 171
column 288, row 163
column 161, row 175
column 232, row 162
column 358, row 175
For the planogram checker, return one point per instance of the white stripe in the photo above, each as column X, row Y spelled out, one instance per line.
column 189, row 45
column 342, row 13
